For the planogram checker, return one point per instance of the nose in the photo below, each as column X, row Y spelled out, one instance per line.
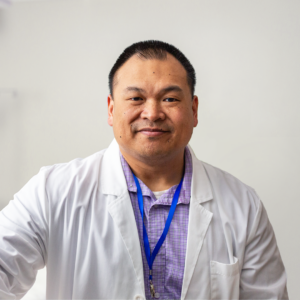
column 153, row 111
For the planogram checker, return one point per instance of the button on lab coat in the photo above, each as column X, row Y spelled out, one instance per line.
column 77, row 219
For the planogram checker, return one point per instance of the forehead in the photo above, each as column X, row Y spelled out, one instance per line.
column 153, row 73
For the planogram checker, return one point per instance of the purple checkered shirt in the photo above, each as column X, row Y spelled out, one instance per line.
column 168, row 266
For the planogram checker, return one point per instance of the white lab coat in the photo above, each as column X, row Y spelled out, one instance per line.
column 77, row 219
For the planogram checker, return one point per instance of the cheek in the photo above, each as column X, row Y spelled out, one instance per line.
column 124, row 118
column 183, row 118
column 184, row 123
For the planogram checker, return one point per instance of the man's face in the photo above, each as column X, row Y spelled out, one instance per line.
column 152, row 111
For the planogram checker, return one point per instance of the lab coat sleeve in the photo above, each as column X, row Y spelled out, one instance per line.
column 263, row 275
column 23, row 238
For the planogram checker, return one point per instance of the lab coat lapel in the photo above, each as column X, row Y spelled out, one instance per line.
column 199, row 220
column 113, row 184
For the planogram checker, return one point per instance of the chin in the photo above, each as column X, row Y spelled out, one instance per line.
column 154, row 152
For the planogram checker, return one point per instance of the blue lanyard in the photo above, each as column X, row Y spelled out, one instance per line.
column 150, row 258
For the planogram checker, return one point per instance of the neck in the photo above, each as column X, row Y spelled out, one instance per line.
column 159, row 175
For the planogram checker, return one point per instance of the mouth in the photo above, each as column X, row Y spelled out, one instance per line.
column 151, row 132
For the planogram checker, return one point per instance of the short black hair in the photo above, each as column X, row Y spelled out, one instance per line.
column 153, row 49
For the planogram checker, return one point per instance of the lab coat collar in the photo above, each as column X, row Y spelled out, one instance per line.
column 113, row 182
column 201, row 187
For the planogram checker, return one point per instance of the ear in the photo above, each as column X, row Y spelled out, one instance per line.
column 195, row 110
column 110, row 108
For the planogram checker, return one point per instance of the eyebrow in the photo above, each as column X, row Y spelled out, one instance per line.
column 134, row 89
column 171, row 88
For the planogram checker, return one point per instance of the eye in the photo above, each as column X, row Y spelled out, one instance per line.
column 136, row 98
column 170, row 100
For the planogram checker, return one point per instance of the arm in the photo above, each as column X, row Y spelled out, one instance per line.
column 23, row 238
column 263, row 275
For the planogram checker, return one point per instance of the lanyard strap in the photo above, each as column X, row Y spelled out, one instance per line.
column 150, row 258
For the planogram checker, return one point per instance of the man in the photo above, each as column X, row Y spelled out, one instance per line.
column 144, row 218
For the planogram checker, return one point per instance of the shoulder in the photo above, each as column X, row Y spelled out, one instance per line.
column 230, row 188
column 65, row 181
column 235, row 204
column 76, row 168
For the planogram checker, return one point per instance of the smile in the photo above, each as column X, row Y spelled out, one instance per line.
column 152, row 131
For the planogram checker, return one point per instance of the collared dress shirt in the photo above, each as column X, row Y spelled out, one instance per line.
column 168, row 266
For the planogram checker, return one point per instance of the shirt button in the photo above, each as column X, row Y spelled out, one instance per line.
column 156, row 295
column 139, row 298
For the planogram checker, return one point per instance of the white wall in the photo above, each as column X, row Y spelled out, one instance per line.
column 55, row 57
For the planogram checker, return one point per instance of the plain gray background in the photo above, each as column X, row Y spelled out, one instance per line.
column 55, row 57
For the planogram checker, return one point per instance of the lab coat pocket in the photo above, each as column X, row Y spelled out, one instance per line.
column 225, row 280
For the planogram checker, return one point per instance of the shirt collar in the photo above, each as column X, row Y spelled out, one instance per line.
column 185, row 193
